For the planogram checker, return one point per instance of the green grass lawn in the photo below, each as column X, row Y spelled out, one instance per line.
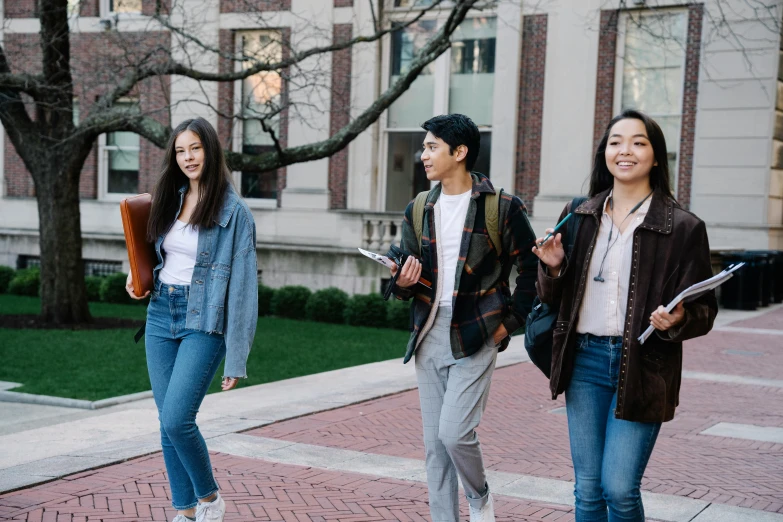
column 96, row 364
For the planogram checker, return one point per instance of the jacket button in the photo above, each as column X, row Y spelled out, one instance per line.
column 205, row 253
column 199, row 282
column 194, row 312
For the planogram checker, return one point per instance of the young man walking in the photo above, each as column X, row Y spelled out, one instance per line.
column 464, row 320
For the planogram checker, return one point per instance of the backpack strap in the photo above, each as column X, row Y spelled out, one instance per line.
column 573, row 226
column 491, row 202
column 418, row 215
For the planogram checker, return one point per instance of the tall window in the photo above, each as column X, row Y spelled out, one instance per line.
column 110, row 7
column 120, row 160
column 418, row 99
column 463, row 82
column 652, row 65
column 260, row 107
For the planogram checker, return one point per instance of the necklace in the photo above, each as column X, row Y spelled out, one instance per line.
column 609, row 243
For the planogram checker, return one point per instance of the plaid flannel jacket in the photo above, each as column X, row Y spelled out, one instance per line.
column 482, row 300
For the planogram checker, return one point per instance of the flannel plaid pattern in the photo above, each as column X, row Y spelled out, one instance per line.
column 482, row 300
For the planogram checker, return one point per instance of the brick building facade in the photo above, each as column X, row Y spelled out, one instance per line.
column 555, row 88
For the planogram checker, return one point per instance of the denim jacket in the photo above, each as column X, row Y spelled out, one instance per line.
column 223, row 294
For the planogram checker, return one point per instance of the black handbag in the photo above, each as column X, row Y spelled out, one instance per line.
column 541, row 321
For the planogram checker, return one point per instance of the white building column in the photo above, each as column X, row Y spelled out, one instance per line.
column 190, row 98
column 363, row 173
column 307, row 184
column 569, row 106
column 505, row 110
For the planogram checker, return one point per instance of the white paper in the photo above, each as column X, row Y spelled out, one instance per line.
column 695, row 291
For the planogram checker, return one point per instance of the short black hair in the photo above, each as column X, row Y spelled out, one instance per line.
column 456, row 130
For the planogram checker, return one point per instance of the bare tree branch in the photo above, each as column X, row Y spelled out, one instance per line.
column 322, row 149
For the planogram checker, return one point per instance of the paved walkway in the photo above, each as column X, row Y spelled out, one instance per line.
column 346, row 445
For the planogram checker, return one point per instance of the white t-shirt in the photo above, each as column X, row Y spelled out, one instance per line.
column 453, row 210
column 181, row 246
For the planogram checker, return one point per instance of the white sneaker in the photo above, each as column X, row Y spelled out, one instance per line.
column 211, row 511
column 181, row 518
column 485, row 514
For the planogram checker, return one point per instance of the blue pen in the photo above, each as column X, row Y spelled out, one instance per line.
column 555, row 230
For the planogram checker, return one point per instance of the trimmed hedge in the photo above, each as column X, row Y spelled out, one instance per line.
column 327, row 306
column 93, row 284
column 6, row 274
column 398, row 314
column 290, row 301
column 112, row 289
column 265, row 296
column 366, row 310
column 26, row 282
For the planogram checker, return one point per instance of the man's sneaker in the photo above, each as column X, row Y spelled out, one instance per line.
column 485, row 514
column 181, row 518
column 212, row 511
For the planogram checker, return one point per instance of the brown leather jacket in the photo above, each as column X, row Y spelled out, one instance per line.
column 670, row 253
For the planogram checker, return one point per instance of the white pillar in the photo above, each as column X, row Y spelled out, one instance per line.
column 505, row 108
column 569, row 105
column 190, row 98
column 307, row 184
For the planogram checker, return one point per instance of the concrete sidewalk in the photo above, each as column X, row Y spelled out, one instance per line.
column 371, row 452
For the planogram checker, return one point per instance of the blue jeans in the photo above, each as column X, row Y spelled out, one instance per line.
column 181, row 364
column 609, row 454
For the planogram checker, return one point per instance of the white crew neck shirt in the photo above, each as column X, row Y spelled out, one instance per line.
column 453, row 211
column 181, row 247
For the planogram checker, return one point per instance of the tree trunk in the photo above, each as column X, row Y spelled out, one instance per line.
column 63, row 292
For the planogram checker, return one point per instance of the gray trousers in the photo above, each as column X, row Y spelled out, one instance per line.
column 453, row 395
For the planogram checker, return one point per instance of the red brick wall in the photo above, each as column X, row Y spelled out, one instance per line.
column 20, row 8
column 689, row 99
column 530, row 107
column 340, row 116
column 96, row 60
column 604, row 85
column 254, row 6
column 226, row 89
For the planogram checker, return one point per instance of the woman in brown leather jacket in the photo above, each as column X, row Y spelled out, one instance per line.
column 635, row 250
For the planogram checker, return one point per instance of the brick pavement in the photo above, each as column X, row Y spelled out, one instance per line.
column 253, row 490
column 520, row 435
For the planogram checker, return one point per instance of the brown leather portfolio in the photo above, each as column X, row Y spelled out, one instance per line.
column 135, row 212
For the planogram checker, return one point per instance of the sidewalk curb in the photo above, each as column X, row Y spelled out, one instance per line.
column 48, row 400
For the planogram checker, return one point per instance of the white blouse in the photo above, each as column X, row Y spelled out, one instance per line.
column 603, row 307
column 181, row 247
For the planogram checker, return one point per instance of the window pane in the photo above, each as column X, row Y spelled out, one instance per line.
column 262, row 185
column 412, row 3
column 473, row 69
column 261, row 93
column 653, row 90
column 416, row 104
column 261, row 100
column 405, row 172
column 125, row 6
column 123, row 176
column 653, row 62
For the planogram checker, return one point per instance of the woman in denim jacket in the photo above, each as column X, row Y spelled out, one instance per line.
column 203, row 307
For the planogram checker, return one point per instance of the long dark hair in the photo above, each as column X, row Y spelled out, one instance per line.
column 213, row 183
column 601, row 179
